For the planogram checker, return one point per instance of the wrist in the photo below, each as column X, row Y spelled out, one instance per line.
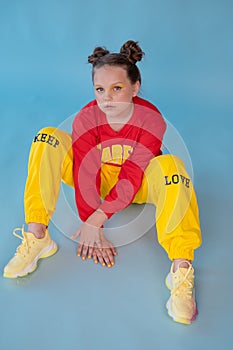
column 97, row 218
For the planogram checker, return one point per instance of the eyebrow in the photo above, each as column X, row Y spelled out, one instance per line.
column 118, row 82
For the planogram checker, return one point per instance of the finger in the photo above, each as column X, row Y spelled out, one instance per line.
column 107, row 244
column 91, row 247
column 114, row 251
column 90, row 252
column 75, row 235
column 84, row 252
column 110, row 257
column 106, row 257
column 79, row 251
column 94, row 245
column 95, row 258
column 100, row 257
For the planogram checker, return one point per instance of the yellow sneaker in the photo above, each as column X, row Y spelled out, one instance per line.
column 28, row 253
column 181, row 305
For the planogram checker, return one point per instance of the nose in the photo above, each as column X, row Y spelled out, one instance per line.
column 107, row 96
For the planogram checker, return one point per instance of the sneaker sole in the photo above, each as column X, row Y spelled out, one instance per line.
column 45, row 253
column 168, row 282
column 179, row 319
column 169, row 309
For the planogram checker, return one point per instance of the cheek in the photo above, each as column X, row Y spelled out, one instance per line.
column 130, row 96
column 98, row 98
column 126, row 96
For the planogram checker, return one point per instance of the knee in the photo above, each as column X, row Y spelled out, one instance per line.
column 47, row 130
column 173, row 171
column 167, row 161
column 49, row 135
column 170, row 161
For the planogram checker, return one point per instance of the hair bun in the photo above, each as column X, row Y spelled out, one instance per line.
column 132, row 51
column 97, row 54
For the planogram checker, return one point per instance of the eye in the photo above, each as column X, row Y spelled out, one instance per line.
column 117, row 88
column 99, row 89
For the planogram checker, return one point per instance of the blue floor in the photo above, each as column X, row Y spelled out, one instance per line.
column 187, row 72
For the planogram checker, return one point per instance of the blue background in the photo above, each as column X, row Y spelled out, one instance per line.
column 44, row 78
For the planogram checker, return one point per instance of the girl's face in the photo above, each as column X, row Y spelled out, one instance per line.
column 114, row 91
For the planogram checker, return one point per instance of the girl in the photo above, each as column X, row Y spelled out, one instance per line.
column 114, row 159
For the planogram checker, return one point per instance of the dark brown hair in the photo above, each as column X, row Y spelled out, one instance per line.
column 130, row 53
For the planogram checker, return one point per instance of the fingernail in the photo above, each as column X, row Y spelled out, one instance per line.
column 89, row 256
column 109, row 265
column 96, row 261
column 78, row 254
column 113, row 263
column 103, row 264
column 83, row 257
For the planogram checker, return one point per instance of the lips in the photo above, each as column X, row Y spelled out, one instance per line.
column 109, row 106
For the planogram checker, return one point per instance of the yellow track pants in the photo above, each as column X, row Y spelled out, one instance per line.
column 165, row 184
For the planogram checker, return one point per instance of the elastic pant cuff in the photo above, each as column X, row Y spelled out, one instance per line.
column 183, row 254
column 40, row 219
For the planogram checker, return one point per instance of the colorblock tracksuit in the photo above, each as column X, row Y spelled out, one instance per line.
column 110, row 170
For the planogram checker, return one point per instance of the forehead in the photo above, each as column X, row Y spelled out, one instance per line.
column 108, row 74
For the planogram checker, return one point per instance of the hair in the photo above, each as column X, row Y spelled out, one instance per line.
column 130, row 53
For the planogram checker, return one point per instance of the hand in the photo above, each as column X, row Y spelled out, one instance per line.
column 88, row 241
column 105, row 254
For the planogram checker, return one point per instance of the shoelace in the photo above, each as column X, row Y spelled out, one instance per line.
column 24, row 246
column 185, row 286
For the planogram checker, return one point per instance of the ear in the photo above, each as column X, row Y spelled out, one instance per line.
column 136, row 88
